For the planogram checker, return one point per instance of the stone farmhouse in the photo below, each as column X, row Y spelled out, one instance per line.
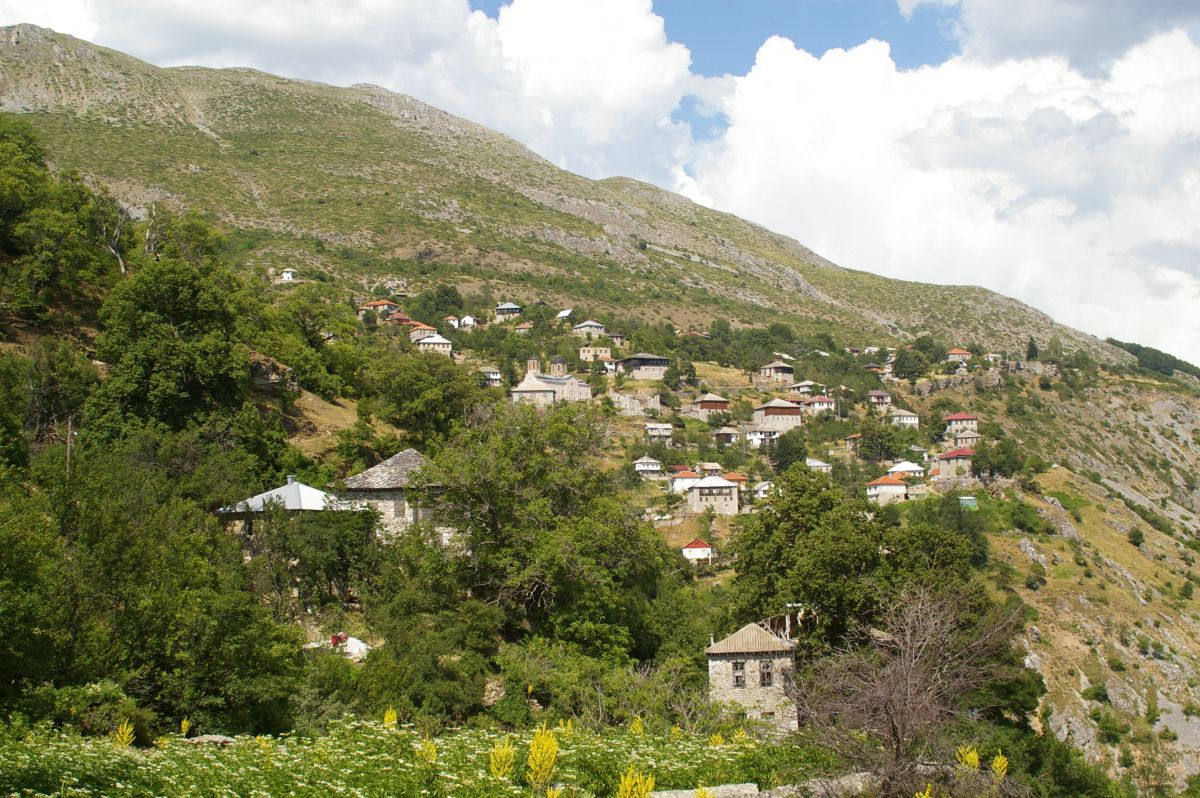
column 820, row 466
column 726, row 436
column 905, row 419
column 967, row 439
column 717, row 493
column 751, row 669
column 385, row 489
column 955, row 464
column 777, row 371
column 659, row 431
column 588, row 329
column 960, row 422
column 957, row 355
column 815, row 405
column 590, row 353
column 419, row 331
column 492, row 377
column 779, row 415
column 708, row 404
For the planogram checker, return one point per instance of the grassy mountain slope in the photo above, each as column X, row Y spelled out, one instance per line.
column 371, row 186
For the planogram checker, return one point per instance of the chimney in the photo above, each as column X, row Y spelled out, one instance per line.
column 712, row 641
column 532, row 366
column 291, row 479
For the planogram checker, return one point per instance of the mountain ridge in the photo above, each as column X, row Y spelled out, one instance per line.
column 425, row 179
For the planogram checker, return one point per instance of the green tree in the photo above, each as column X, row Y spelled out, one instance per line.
column 423, row 393
column 167, row 335
column 1031, row 349
column 790, row 448
column 910, row 364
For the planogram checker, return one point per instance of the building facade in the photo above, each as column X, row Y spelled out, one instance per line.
column 752, row 670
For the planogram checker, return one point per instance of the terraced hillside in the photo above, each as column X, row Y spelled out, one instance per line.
column 369, row 186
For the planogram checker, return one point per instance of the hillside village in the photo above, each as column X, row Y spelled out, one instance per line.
column 515, row 450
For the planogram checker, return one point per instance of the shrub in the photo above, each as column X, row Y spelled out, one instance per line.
column 1136, row 537
column 1097, row 692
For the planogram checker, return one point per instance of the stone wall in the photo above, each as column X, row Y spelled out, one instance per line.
column 769, row 704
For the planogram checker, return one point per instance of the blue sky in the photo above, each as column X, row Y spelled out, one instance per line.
column 724, row 35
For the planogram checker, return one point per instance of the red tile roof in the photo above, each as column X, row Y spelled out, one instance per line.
column 886, row 480
column 734, row 476
column 957, row 351
column 686, row 475
column 697, row 543
column 957, row 453
column 960, row 417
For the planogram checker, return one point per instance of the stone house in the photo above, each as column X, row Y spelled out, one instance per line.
column 967, row 439
column 658, row 431
column 852, row 442
column 777, row 371
column 716, row 492
column 588, row 329
column 955, row 464
column 752, row 669
column 779, row 415
column 435, row 343
column 635, row 404
column 887, row 490
column 617, row 338
column 737, row 478
column 385, row 489
column 957, row 355
column 382, row 308
column 708, row 469
column 523, row 328
column 708, row 404
column 644, row 366
column 590, row 353
column 905, row 419
column 960, row 422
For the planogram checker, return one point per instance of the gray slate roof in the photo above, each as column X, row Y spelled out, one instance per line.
column 392, row 474
column 750, row 639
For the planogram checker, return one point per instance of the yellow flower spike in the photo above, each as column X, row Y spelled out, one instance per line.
column 999, row 766
column 501, row 759
column 553, row 792
column 637, row 728
column 123, row 736
column 543, row 753
column 635, row 785
column 427, row 751
column 676, row 732
column 968, row 757
column 716, row 740
column 926, row 793
column 740, row 736
column 185, row 726
column 529, row 689
column 703, row 793
column 389, row 717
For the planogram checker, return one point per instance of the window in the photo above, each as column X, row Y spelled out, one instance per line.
column 767, row 716
column 766, row 675
column 739, row 674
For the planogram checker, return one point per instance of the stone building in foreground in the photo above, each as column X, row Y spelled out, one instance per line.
column 752, row 668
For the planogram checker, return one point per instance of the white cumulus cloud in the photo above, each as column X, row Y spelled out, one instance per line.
column 1076, row 194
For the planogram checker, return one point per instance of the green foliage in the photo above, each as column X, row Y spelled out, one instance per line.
column 798, row 549
column 423, row 393
column 790, row 448
column 1155, row 360
column 168, row 337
